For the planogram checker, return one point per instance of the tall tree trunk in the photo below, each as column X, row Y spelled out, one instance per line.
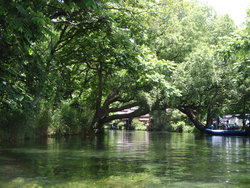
column 100, row 88
column 192, row 117
column 210, row 113
column 208, row 120
column 244, row 111
column 37, row 98
column 96, row 121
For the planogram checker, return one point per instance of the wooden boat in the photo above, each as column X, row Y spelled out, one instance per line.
column 225, row 132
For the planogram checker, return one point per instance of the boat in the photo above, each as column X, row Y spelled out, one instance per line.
column 225, row 132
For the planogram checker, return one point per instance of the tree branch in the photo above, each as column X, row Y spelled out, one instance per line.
column 53, row 70
column 125, row 10
column 124, row 107
column 72, row 23
column 136, row 113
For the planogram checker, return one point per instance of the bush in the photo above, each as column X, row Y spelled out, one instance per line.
column 138, row 125
column 28, row 124
column 167, row 127
column 63, row 120
column 66, row 119
column 177, row 116
column 14, row 125
column 160, row 121
column 106, row 126
column 42, row 118
column 70, row 120
column 120, row 125
column 178, row 127
column 181, row 126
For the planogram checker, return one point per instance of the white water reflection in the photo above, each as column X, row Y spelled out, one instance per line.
column 228, row 141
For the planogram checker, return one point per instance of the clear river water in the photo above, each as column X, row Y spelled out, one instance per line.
column 127, row 159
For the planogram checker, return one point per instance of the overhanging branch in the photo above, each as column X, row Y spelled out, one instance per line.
column 125, row 10
column 124, row 107
column 136, row 113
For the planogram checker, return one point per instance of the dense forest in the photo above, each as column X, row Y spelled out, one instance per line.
column 67, row 66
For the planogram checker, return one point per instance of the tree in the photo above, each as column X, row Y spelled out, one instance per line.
column 86, row 59
column 180, row 28
column 206, row 83
column 96, row 54
column 188, row 38
column 23, row 26
column 236, row 46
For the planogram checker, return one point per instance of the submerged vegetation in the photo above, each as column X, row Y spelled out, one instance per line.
column 126, row 159
column 68, row 67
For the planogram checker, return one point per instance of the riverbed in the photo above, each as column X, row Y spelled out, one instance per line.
column 127, row 159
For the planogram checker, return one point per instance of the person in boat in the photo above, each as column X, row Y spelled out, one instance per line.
column 234, row 126
column 215, row 127
column 211, row 126
column 227, row 124
column 218, row 120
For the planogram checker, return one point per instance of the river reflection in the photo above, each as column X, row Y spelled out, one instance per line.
column 127, row 159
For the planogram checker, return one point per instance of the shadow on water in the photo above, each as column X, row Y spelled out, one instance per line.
column 127, row 158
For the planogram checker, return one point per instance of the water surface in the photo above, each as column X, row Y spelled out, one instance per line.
column 127, row 159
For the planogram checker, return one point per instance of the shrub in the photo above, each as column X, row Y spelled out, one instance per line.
column 181, row 126
column 70, row 120
column 177, row 116
column 178, row 127
column 138, row 125
column 27, row 124
column 42, row 118
column 120, row 125
column 13, row 126
column 160, row 121
column 66, row 119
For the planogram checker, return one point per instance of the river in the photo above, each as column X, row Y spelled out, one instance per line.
column 127, row 159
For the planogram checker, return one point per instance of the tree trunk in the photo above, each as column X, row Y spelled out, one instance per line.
column 244, row 112
column 96, row 120
column 37, row 98
column 193, row 118
column 208, row 120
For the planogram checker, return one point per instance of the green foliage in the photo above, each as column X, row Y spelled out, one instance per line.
column 184, row 25
column 107, row 55
column 177, row 116
column 235, row 47
column 46, row 121
column 120, row 126
column 13, row 126
column 20, row 125
column 43, row 118
column 69, row 120
column 178, row 127
column 181, row 126
column 190, row 129
column 138, row 125
column 160, row 121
